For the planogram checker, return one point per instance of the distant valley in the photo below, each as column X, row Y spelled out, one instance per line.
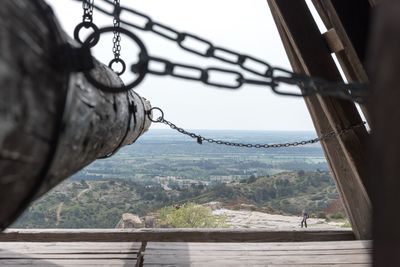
column 165, row 169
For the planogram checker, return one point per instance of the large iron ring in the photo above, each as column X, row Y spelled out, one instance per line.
column 140, row 67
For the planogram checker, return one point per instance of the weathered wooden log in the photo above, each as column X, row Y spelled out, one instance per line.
column 52, row 123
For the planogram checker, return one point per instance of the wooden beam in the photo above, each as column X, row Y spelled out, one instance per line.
column 346, row 154
column 385, row 113
column 171, row 235
column 350, row 20
column 52, row 123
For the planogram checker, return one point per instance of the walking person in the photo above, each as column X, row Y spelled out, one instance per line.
column 304, row 220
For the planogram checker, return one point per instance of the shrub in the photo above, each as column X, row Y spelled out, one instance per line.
column 337, row 216
column 190, row 215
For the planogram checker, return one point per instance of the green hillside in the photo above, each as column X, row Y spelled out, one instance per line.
column 101, row 203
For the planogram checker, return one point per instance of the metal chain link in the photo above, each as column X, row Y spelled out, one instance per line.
column 200, row 139
column 117, row 36
column 87, row 6
column 271, row 76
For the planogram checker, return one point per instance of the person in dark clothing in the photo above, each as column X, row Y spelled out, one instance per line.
column 304, row 221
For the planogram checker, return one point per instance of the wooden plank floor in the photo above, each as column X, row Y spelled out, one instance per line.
column 337, row 253
column 332, row 253
column 52, row 254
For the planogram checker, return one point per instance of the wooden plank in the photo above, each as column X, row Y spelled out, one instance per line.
column 172, row 235
column 306, row 260
column 385, row 113
column 211, row 253
column 332, row 245
column 67, row 263
column 241, row 264
column 346, row 154
column 72, row 256
column 73, row 247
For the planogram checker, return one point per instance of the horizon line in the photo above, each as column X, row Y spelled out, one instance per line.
column 246, row 130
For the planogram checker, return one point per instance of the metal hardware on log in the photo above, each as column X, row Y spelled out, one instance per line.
column 52, row 123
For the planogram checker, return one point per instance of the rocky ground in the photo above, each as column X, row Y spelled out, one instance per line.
column 255, row 219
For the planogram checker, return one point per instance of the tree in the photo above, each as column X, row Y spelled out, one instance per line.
column 301, row 173
column 251, row 179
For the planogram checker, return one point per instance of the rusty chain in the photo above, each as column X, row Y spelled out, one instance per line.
column 200, row 139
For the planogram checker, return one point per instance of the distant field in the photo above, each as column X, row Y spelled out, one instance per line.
column 168, row 153
column 165, row 168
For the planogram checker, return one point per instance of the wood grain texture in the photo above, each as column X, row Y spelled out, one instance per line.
column 333, row 41
column 171, row 235
column 262, row 254
column 346, row 155
column 335, row 253
column 350, row 20
column 384, row 151
column 52, row 123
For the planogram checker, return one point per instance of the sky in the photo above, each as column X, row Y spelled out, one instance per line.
column 245, row 26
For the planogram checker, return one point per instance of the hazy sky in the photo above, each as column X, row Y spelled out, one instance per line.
column 245, row 26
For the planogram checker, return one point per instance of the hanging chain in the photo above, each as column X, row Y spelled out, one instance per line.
column 117, row 39
column 87, row 6
column 87, row 23
column 117, row 36
column 272, row 77
column 200, row 139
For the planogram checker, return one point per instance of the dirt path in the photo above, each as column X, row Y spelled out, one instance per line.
column 84, row 191
column 60, row 206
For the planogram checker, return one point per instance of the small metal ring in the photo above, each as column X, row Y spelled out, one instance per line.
column 159, row 119
column 141, row 66
column 94, row 36
column 117, row 60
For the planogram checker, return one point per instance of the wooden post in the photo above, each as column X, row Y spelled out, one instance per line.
column 385, row 151
column 52, row 123
column 346, row 154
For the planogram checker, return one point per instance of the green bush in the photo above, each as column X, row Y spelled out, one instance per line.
column 190, row 215
column 337, row 216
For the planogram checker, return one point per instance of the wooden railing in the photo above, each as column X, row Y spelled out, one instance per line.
column 172, row 235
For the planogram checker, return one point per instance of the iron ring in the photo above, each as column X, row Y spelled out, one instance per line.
column 94, row 37
column 159, row 119
column 141, row 66
column 117, row 60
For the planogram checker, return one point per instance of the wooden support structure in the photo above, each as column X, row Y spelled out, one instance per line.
column 171, row 235
column 350, row 20
column 52, row 123
column 308, row 53
column 385, row 150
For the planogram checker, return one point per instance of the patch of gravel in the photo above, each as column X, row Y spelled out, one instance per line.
column 255, row 219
